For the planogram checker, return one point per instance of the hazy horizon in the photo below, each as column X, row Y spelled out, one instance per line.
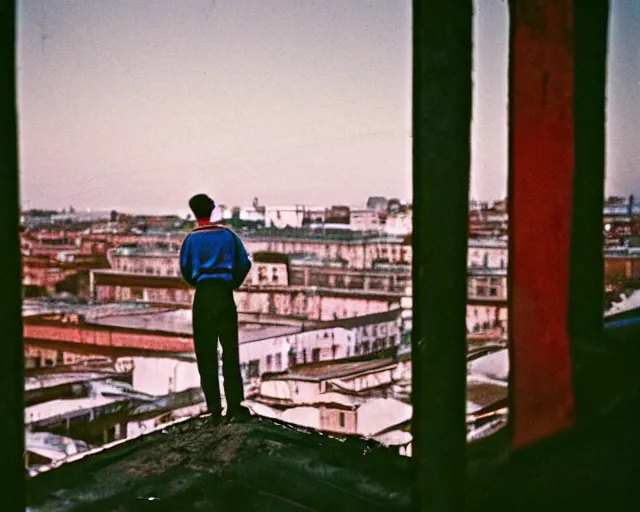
column 135, row 106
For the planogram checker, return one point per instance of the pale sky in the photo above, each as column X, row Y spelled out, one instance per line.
column 136, row 105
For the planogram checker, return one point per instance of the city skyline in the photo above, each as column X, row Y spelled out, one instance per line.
column 290, row 102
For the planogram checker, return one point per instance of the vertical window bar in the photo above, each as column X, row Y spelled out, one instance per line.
column 442, row 91
column 12, row 360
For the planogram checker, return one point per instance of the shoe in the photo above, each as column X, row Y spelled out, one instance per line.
column 239, row 415
column 213, row 419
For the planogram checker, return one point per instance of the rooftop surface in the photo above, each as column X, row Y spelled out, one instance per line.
column 335, row 370
column 488, row 242
column 165, row 248
column 487, row 271
column 494, row 365
column 321, row 235
column 53, row 446
column 622, row 252
column 144, row 317
column 484, row 394
column 179, row 322
column 622, row 209
column 48, row 410
column 257, row 466
column 54, row 305
column 58, row 379
column 361, row 321
column 625, row 303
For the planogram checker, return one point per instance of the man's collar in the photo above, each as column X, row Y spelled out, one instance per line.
column 209, row 226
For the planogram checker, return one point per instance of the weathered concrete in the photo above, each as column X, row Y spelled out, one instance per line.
column 253, row 466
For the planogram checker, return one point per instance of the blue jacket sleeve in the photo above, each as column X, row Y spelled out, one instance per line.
column 186, row 268
column 242, row 264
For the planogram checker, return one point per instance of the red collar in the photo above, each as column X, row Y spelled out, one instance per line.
column 209, row 226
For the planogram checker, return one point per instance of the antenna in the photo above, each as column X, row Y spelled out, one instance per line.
column 43, row 34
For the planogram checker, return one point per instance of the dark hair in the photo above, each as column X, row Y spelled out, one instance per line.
column 202, row 206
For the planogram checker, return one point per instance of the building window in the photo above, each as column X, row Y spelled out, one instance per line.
column 278, row 362
column 315, row 355
column 376, row 284
column 253, row 369
column 342, row 422
column 269, row 359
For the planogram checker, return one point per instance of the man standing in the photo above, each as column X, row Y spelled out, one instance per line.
column 214, row 261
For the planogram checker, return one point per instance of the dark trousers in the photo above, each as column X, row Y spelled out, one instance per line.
column 215, row 317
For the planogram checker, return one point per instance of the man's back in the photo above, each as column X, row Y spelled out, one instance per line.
column 213, row 252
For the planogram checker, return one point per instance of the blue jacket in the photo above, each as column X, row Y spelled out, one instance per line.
column 213, row 252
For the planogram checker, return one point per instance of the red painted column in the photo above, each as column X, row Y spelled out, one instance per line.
column 541, row 178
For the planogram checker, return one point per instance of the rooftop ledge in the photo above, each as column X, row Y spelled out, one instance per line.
column 257, row 465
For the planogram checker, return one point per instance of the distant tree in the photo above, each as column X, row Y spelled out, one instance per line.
column 617, row 279
column 394, row 206
column 376, row 203
column 113, row 216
